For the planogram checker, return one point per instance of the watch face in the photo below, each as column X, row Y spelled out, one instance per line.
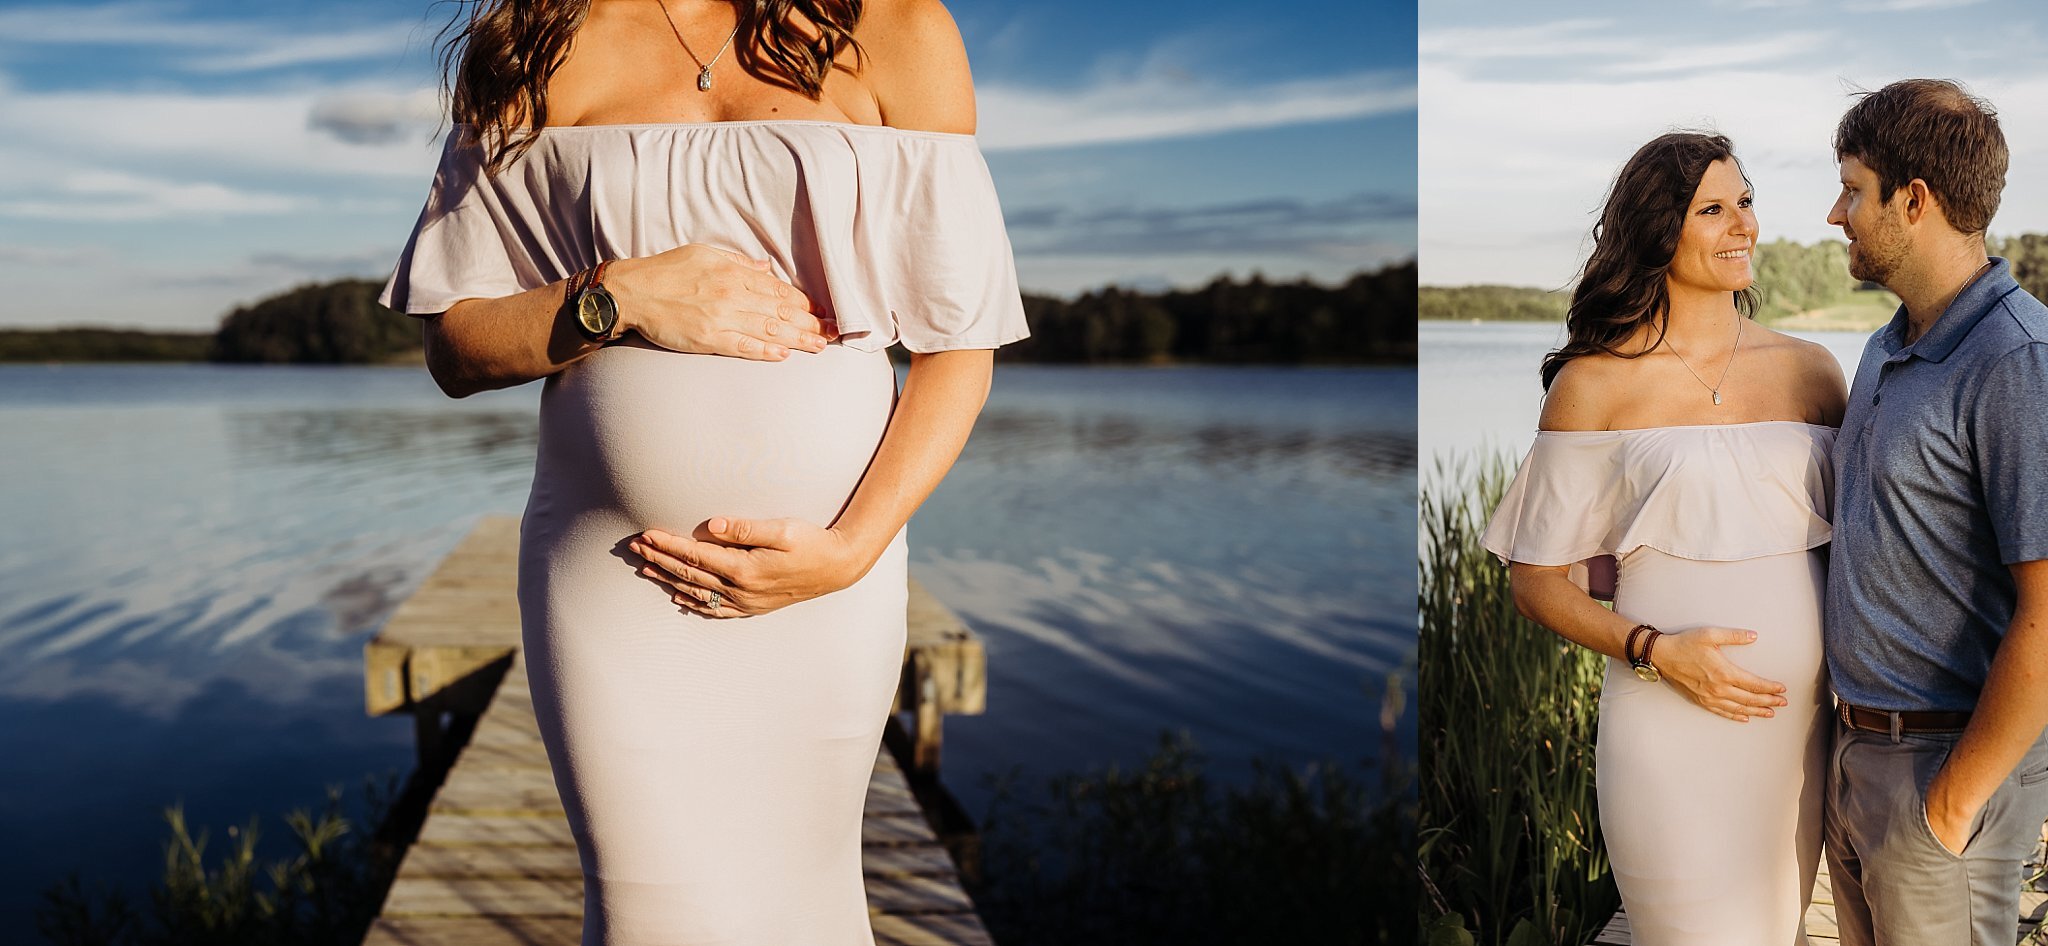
column 1648, row 673
column 596, row 312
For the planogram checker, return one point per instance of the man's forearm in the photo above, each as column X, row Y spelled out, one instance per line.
column 2010, row 715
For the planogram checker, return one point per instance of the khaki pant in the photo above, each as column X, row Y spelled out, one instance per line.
column 1894, row 883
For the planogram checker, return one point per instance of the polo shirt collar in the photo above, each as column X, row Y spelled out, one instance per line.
column 1961, row 316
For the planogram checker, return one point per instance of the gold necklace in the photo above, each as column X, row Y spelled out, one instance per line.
column 704, row 73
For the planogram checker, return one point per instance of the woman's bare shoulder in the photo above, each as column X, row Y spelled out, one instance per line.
column 916, row 66
column 1584, row 393
column 1816, row 370
column 1798, row 354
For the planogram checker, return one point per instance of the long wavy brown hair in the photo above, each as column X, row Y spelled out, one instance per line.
column 1622, row 286
column 498, row 55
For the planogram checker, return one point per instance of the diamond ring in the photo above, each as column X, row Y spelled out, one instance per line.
column 715, row 601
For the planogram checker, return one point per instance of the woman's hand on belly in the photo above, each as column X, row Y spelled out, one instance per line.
column 755, row 566
column 1692, row 662
column 700, row 299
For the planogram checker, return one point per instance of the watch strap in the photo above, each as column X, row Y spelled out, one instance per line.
column 1628, row 647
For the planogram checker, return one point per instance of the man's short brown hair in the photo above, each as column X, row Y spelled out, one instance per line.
column 1933, row 130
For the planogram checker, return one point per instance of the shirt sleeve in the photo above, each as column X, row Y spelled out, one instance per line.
column 2009, row 430
column 928, row 261
column 459, row 248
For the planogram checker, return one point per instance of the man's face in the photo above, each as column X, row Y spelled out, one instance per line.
column 1878, row 239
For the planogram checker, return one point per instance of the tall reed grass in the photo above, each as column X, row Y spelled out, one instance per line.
column 324, row 892
column 1509, row 833
column 1164, row 854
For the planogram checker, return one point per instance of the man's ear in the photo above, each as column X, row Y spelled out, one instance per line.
column 1919, row 200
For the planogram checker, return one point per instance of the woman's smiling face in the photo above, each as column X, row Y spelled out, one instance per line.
column 1720, row 233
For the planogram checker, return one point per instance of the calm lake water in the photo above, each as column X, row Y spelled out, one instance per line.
column 1480, row 393
column 192, row 557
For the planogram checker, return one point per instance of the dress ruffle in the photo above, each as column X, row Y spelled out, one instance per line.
column 896, row 234
column 1709, row 493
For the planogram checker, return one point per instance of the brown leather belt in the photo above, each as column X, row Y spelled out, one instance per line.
column 1921, row 721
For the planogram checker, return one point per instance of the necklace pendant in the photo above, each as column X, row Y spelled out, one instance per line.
column 1717, row 399
column 704, row 80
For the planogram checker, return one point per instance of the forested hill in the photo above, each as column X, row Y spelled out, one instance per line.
column 1367, row 318
column 336, row 323
column 1797, row 282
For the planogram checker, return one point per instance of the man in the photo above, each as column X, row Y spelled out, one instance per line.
column 1937, row 601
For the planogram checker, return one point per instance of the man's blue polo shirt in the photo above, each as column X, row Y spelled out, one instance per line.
column 1941, row 481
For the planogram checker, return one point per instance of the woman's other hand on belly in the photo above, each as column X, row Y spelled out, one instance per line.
column 746, row 567
column 1692, row 663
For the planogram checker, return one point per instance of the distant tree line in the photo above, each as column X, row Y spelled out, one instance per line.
column 338, row 322
column 1364, row 319
column 1792, row 278
column 102, row 344
column 1492, row 303
column 2029, row 255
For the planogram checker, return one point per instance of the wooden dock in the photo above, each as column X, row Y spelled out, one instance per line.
column 1820, row 917
column 494, row 862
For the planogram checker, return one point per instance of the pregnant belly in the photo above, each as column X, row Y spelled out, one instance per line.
column 1777, row 596
column 660, row 439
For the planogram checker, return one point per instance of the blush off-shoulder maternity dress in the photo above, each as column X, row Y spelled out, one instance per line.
column 1712, row 826
column 714, row 770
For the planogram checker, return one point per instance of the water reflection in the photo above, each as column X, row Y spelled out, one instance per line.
column 193, row 558
column 341, row 442
column 1008, row 435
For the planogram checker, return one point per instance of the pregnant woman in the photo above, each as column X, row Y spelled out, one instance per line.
column 1681, row 470
column 639, row 202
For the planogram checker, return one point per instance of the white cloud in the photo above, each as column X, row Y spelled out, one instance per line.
column 207, row 45
column 1070, row 275
column 139, row 24
column 1600, row 46
column 1513, row 167
column 1562, row 39
column 212, row 134
column 105, row 195
column 1159, row 106
column 37, row 255
column 1906, row 5
column 1780, row 47
column 378, row 42
column 375, row 118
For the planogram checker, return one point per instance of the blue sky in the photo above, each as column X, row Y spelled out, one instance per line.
column 162, row 162
column 1529, row 109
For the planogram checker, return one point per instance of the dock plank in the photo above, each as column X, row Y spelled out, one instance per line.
column 455, row 862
